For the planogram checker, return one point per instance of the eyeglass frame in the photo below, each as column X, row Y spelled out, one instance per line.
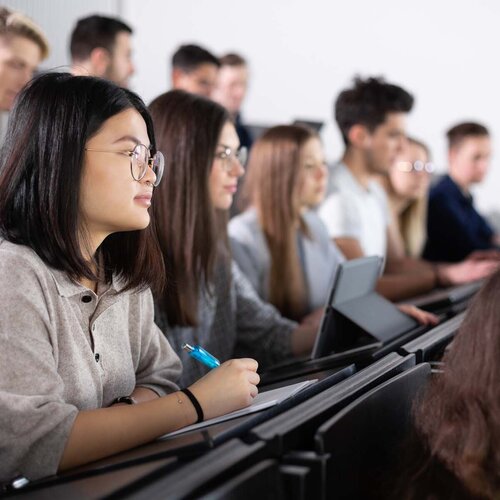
column 149, row 163
column 417, row 166
column 231, row 155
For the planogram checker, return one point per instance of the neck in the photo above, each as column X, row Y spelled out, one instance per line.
column 397, row 203
column 357, row 165
column 88, row 248
column 82, row 68
column 464, row 186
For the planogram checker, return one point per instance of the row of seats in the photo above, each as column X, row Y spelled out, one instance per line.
column 339, row 438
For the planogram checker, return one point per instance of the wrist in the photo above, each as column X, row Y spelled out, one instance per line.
column 128, row 400
column 195, row 403
column 441, row 279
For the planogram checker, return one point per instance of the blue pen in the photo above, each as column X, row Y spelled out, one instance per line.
column 201, row 355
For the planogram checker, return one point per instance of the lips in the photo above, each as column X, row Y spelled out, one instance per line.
column 145, row 196
column 232, row 188
column 144, row 199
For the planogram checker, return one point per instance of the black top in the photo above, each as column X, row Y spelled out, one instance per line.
column 454, row 227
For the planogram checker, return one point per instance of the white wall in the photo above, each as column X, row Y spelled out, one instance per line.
column 302, row 53
column 57, row 19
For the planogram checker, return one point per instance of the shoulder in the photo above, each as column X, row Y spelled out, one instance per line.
column 320, row 236
column 19, row 263
column 244, row 226
column 380, row 194
column 338, row 204
column 339, row 177
column 444, row 187
column 316, row 226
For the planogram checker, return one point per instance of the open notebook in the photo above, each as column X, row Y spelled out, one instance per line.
column 261, row 402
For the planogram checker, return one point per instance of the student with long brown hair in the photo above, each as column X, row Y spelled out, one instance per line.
column 457, row 421
column 208, row 301
column 84, row 371
column 279, row 242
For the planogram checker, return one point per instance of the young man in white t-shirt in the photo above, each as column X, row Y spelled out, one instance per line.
column 371, row 116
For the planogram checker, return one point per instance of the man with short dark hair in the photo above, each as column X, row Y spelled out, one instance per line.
column 230, row 91
column 371, row 116
column 101, row 46
column 194, row 69
column 454, row 228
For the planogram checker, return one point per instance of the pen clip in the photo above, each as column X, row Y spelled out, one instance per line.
column 187, row 347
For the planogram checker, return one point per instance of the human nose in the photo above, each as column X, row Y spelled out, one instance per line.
column 149, row 176
column 238, row 169
column 321, row 171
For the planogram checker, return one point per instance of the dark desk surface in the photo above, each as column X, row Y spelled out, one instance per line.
column 97, row 485
column 164, row 453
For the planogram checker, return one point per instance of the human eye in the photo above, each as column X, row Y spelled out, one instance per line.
column 17, row 65
column 224, row 154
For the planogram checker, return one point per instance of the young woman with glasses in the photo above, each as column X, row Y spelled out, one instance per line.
column 84, row 371
column 208, row 300
column 407, row 187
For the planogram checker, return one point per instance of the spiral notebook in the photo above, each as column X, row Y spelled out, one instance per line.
column 262, row 401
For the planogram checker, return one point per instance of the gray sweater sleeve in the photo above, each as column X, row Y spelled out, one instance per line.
column 158, row 365
column 35, row 419
column 245, row 255
column 262, row 332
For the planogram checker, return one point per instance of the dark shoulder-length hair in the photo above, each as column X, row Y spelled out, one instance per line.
column 41, row 171
column 190, row 229
column 272, row 187
column 458, row 420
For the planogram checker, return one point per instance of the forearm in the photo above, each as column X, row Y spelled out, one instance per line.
column 303, row 338
column 402, row 286
column 105, row 431
column 143, row 394
column 406, row 265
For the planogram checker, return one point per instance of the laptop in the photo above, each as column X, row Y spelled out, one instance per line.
column 445, row 298
column 356, row 322
column 256, row 130
column 315, row 125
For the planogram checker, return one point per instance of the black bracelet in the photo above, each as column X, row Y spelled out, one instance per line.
column 124, row 399
column 196, row 404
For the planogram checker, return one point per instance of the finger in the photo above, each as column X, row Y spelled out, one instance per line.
column 253, row 391
column 253, row 377
column 432, row 318
column 249, row 363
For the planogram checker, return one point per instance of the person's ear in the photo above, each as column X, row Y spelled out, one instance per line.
column 359, row 136
column 177, row 76
column 100, row 60
column 452, row 154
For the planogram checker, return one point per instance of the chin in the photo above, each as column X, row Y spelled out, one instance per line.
column 139, row 224
column 225, row 203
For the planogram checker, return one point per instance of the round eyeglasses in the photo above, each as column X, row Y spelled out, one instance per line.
column 416, row 166
column 228, row 157
column 140, row 160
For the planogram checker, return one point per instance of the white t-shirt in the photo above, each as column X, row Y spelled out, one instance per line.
column 353, row 211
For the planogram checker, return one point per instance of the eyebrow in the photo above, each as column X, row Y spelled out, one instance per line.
column 225, row 146
column 130, row 138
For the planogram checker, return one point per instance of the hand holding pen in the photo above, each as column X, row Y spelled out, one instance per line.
column 229, row 387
